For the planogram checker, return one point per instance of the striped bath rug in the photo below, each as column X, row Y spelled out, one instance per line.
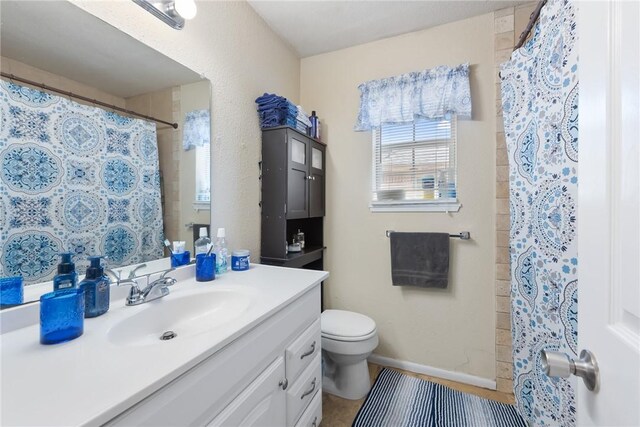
column 398, row 400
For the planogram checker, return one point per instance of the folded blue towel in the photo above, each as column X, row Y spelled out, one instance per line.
column 274, row 110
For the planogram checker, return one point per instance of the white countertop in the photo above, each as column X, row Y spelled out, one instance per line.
column 91, row 379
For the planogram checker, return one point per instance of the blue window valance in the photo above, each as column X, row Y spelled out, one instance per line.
column 430, row 94
column 197, row 129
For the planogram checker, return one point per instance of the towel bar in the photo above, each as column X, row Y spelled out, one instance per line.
column 463, row 235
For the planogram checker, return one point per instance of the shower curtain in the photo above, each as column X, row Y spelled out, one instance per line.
column 540, row 103
column 74, row 178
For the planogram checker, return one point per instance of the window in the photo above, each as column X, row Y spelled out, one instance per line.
column 414, row 166
column 203, row 174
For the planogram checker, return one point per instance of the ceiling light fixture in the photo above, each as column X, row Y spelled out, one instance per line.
column 171, row 12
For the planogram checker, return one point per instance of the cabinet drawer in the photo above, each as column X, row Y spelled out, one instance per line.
column 302, row 351
column 313, row 414
column 303, row 390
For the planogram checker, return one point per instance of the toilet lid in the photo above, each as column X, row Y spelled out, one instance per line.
column 347, row 324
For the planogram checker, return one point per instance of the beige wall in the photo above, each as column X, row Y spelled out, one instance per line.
column 452, row 329
column 20, row 69
column 234, row 48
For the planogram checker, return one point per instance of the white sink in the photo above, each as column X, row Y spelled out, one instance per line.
column 185, row 315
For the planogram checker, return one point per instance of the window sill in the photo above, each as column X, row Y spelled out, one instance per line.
column 201, row 206
column 453, row 206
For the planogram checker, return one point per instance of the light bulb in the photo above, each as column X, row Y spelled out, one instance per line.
column 186, row 8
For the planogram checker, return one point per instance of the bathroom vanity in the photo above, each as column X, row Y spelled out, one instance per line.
column 246, row 351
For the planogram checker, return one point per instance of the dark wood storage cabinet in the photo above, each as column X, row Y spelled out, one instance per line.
column 293, row 197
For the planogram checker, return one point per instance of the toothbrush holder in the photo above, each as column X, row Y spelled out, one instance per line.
column 61, row 316
column 183, row 258
column 11, row 291
column 205, row 267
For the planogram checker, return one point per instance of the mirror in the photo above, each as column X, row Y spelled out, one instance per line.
column 85, row 178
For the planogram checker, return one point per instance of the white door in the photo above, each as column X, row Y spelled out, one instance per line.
column 608, row 209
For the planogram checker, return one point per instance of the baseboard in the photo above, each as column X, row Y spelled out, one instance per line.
column 435, row 372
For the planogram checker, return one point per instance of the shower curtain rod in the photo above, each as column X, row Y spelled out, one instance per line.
column 84, row 98
column 532, row 21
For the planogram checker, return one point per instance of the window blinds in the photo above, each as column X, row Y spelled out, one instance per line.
column 415, row 162
column 203, row 173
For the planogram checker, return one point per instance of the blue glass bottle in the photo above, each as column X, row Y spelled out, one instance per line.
column 96, row 287
column 67, row 278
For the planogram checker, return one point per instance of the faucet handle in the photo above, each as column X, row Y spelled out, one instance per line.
column 115, row 274
column 135, row 294
column 165, row 272
column 132, row 273
column 168, row 281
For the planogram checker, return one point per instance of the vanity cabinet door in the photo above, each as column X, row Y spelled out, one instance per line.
column 263, row 403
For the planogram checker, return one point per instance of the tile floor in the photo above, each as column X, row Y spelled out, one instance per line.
column 337, row 412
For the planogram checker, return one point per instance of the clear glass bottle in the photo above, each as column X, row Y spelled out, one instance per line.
column 202, row 244
column 222, row 253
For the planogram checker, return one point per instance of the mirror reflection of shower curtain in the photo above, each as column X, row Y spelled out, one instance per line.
column 540, row 104
column 74, row 178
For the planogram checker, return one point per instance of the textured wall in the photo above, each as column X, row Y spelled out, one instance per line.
column 233, row 47
column 23, row 70
column 451, row 329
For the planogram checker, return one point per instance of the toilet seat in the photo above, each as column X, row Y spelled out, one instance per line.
column 347, row 326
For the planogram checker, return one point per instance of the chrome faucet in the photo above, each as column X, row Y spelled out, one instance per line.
column 154, row 290
column 158, row 288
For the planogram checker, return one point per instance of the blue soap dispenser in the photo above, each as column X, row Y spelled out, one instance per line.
column 96, row 286
column 67, row 278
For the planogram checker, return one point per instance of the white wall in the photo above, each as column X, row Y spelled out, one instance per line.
column 233, row 47
column 450, row 329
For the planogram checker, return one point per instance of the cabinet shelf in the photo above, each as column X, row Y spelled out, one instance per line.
column 297, row 259
column 298, row 132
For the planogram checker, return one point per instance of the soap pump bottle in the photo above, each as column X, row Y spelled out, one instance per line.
column 67, row 278
column 96, row 286
column 222, row 253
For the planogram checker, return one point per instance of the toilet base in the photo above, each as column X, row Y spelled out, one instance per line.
column 348, row 381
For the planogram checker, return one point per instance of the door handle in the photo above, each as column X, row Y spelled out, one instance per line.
column 557, row 364
column 284, row 383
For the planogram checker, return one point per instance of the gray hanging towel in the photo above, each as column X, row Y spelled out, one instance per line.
column 420, row 259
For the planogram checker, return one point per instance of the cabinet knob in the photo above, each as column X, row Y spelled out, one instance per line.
column 284, row 383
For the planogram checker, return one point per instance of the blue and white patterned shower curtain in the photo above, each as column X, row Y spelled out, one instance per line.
column 540, row 103
column 74, row 178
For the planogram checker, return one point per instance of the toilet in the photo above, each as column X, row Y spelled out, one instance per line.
column 348, row 338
